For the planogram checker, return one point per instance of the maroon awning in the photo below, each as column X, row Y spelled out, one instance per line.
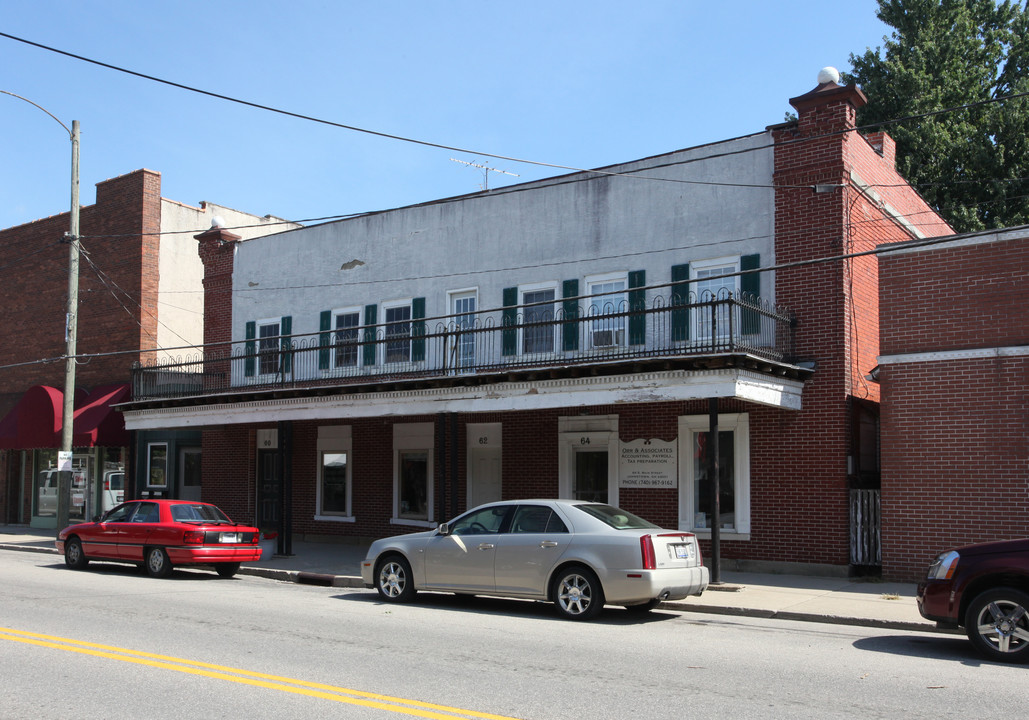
column 35, row 422
column 96, row 424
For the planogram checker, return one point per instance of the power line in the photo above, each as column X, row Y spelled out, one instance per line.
column 452, row 148
column 883, row 250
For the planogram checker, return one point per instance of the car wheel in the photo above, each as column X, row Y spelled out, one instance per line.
column 644, row 607
column 227, row 570
column 393, row 579
column 157, row 563
column 577, row 593
column 997, row 623
column 73, row 555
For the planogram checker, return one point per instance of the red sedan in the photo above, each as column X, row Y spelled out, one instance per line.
column 159, row 534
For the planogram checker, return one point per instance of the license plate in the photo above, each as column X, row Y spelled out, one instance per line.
column 229, row 538
column 683, row 552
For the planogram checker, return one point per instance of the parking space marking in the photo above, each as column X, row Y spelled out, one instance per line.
column 247, row 677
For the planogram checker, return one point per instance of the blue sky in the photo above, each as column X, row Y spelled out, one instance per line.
column 578, row 84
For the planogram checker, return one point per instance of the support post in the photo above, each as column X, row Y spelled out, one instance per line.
column 713, row 472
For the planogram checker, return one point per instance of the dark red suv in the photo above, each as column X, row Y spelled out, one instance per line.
column 983, row 588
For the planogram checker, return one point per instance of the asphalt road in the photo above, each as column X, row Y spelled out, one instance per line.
column 110, row 642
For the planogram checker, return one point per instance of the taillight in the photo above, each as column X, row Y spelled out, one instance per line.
column 254, row 538
column 107, row 484
column 193, row 537
column 647, row 550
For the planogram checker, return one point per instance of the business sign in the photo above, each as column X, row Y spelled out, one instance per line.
column 648, row 464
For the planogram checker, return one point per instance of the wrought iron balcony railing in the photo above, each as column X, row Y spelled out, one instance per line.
column 541, row 335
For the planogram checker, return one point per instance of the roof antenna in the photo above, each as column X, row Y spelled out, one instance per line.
column 486, row 171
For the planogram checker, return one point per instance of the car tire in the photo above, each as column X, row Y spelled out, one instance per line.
column 997, row 624
column 74, row 557
column 227, row 570
column 157, row 563
column 393, row 579
column 644, row 607
column 577, row 593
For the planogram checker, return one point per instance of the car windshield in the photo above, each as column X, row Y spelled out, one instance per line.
column 615, row 517
column 198, row 513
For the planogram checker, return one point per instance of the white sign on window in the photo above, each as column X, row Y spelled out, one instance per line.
column 647, row 464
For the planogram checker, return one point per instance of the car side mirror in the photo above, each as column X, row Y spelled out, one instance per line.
column 443, row 529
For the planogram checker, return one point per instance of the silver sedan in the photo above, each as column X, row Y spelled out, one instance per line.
column 580, row 555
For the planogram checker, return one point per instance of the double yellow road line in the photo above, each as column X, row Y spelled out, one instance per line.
column 246, row 677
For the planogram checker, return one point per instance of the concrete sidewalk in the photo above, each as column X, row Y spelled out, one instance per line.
column 843, row 601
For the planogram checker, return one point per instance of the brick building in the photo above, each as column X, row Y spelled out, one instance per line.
column 954, row 372
column 577, row 337
column 140, row 290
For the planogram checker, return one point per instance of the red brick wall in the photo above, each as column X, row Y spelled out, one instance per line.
column 837, row 307
column 962, row 297
column 955, row 430
column 35, row 286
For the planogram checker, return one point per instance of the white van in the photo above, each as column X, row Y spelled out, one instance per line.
column 113, row 492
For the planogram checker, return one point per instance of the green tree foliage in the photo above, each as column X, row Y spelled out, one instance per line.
column 971, row 165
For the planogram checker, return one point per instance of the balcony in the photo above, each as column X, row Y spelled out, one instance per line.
column 553, row 339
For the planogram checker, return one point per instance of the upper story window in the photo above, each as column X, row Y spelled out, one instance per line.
column 714, row 280
column 538, row 319
column 398, row 333
column 346, row 340
column 607, row 305
column 268, row 347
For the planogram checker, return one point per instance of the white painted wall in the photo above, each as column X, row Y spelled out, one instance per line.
column 180, row 287
column 553, row 230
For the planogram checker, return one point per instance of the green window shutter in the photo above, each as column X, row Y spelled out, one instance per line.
column 370, row 313
column 286, row 343
column 570, row 327
column 637, row 307
column 509, row 333
column 324, row 339
column 680, row 299
column 750, row 288
column 250, row 350
column 418, row 329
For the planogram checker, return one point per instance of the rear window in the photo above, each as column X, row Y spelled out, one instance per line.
column 615, row 517
column 198, row 513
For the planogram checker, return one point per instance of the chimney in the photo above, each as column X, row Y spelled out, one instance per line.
column 830, row 107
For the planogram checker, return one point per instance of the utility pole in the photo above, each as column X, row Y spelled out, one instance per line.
column 71, row 324
column 64, row 462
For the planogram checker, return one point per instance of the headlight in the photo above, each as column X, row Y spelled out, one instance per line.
column 944, row 565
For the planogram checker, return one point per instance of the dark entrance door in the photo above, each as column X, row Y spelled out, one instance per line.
column 269, row 490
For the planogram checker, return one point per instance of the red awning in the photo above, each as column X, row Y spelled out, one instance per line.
column 96, row 424
column 35, row 422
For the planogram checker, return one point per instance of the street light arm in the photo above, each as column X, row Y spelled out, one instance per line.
column 6, row 92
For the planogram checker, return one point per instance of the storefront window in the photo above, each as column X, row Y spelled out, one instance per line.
column 157, row 465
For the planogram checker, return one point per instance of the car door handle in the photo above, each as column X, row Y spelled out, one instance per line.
column 548, row 544
column 485, row 546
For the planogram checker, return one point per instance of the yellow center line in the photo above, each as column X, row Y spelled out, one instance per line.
column 247, row 677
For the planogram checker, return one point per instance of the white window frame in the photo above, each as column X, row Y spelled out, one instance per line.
column 335, row 439
column 394, row 305
column 701, row 322
column 582, row 434
column 418, row 437
column 538, row 287
column 149, row 465
column 267, row 322
column 593, row 320
column 689, row 426
column 359, row 349
column 453, row 349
